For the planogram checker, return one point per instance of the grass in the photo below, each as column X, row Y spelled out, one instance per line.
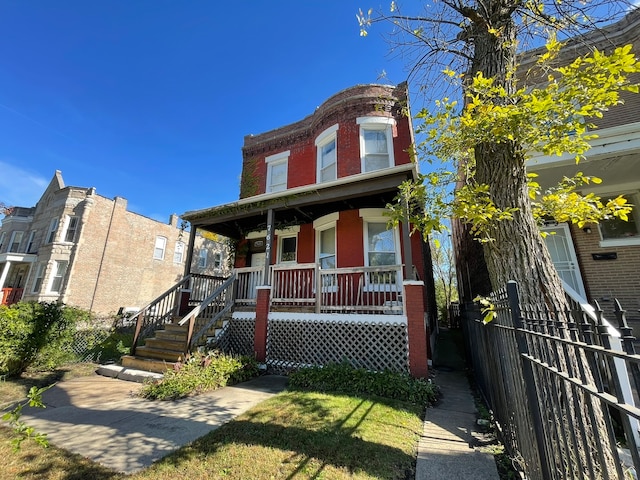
column 296, row 434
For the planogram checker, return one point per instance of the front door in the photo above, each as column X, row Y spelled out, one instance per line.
column 563, row 255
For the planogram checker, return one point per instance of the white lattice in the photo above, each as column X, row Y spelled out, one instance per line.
column 237, row 337
column 374, row 346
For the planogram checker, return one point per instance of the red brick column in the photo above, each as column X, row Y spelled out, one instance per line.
column 417, row 329
column 262, row 315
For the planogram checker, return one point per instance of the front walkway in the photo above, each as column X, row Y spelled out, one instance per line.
column 449, row 447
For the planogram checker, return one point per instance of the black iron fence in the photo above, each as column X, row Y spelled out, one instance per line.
column 561, row 386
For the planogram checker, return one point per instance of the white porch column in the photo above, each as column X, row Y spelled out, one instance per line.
column 5, row 273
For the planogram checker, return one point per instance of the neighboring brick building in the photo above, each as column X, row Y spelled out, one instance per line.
column 89, row 251
column 600, row 262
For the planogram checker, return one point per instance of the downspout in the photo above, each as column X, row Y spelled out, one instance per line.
column 269, row 244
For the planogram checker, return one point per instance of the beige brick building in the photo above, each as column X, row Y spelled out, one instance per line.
column 89, row 251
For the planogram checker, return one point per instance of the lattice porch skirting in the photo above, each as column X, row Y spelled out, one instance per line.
column 374, row 342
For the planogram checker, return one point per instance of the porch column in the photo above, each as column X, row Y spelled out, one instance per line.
column 5, row 273
column 262, row 317
column 192, row 242
column 269, row 243
column 416, row 328
column 406, row 244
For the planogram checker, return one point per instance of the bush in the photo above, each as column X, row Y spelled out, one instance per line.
column 35, row 334
column 201, row 373
column 346, row 379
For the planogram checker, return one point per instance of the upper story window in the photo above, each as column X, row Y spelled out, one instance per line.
column 71, row 229
column 178, row 253
column 161, row 245
column 16, row 240
column 376, row 142
column 217, row 260
column 31, row 242
column 3, row 236
column 277, row 171
column 615, row 231
column 326, row 147
column 202, row 259
column 53, row 228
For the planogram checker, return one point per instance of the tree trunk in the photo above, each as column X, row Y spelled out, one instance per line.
column 517, row 251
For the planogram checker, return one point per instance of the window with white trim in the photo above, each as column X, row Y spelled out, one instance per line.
column 277, row 172
column 381, row 248
column 160, row 246
column 16, row 240
column 53, row 228
column 31, row 241
column 178, row 253
column 71, row 229
column 615, row 231
column 217, row 260
column 287, row 248
column 376, row 142
column 327, row 156
column 202, row 259
column 58, row 276
column 327, row 247
column 37, row 281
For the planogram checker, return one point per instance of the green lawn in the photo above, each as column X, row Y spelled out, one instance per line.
column 299, row 435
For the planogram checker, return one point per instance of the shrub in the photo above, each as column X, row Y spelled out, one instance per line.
column 201, row 373
column 346, row 379
column 34, row 333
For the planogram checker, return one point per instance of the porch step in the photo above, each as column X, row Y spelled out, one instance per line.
column 171, row 344
column 159, row 353
column 146, row 364
column 170, row 335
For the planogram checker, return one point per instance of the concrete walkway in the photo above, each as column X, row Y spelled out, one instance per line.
column 99, row 418
column 450, row 440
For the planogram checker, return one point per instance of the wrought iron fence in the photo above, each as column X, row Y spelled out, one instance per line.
column 552, row 380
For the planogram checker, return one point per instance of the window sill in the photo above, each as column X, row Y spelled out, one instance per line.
column 620, row 242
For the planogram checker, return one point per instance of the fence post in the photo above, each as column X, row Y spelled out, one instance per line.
column 529, row 381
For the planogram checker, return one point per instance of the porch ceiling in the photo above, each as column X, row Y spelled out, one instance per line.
column 301, row 205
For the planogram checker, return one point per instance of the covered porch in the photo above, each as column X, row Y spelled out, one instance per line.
column 15, row 269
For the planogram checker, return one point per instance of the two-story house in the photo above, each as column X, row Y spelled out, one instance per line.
column 316, row 262
column 599, row 261
column 89, row 251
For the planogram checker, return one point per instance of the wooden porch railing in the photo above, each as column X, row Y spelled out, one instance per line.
column 160, row 311
column 247, row 279
column 11, row 295
column 338, row 290
column 209, row 311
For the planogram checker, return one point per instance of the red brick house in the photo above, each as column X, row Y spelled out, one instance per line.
column 318, row 274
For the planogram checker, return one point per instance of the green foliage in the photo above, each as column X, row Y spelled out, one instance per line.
column 554, row 119
column 201, row 373
column 34, row 334
column 23, row 431
column 346, row 379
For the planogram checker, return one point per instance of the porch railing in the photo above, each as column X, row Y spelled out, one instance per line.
column 11, row 295
column 247, row 279
column 160, row 311
column 338, row 290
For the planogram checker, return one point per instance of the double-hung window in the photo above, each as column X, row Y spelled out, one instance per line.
column 202, row 258
column 178, row 253
column 3, row 236
column 71, row 229
column 376, row 142
column 381, row 249
column 16, row 240
column 327, row 157
column 53, row 228
column 217, row 260
column 31, row 241
column 277, row 166
column 58, row 276
column 288, row 249
column 160, row 246
column 37, row 282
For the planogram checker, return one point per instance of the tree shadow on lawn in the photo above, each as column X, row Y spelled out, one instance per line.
column 333, row 444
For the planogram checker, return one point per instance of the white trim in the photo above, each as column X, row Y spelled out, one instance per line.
column 277, row 156
column 284, row 236
column 322, row 221
column 374, row 318
column 376, row 120
column 381, row 124
column 375, row 213
column 327, row 135
column 620, row 242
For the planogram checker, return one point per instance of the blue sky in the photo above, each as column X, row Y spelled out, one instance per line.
column 151, row 99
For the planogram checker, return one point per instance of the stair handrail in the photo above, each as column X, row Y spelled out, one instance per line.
column 150, row 310
column 193, row 314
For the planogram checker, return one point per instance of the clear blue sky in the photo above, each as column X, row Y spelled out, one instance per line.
column 151, row 99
